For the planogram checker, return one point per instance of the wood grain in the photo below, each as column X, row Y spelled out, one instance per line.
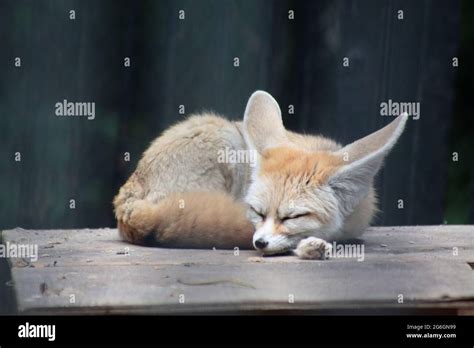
column 106, row 275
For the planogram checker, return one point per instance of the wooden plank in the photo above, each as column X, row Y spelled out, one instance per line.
column 105, row 277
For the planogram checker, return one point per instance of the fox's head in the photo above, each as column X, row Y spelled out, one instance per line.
column 295, row 192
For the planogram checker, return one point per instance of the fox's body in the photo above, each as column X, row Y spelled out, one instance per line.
column 183, row 163
column 183, row 195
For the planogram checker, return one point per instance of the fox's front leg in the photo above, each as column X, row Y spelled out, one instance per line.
column 313, row 248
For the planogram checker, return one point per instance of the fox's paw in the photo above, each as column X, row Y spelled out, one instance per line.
column 313, row 248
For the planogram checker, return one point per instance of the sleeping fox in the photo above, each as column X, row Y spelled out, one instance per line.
column 301, row 193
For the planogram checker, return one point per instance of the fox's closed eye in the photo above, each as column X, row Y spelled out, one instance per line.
column 294, row 216
column 258, row 212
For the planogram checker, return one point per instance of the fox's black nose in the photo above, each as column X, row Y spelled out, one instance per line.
column 260, row 243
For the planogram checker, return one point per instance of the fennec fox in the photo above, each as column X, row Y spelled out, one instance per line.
column 299, row 192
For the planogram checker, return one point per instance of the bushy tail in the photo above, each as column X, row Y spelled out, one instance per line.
column 183, row 220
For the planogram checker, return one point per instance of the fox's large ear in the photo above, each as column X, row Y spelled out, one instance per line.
column 363, row 158
column 263, row 126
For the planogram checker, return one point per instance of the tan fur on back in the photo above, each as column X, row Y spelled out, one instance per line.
column 179, row 196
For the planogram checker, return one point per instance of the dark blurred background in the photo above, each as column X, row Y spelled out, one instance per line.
column 190, row 62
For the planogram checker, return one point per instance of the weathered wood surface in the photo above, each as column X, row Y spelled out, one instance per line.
column 106, row 275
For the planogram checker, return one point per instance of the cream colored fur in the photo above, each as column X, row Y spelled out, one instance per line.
column 303, row 191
